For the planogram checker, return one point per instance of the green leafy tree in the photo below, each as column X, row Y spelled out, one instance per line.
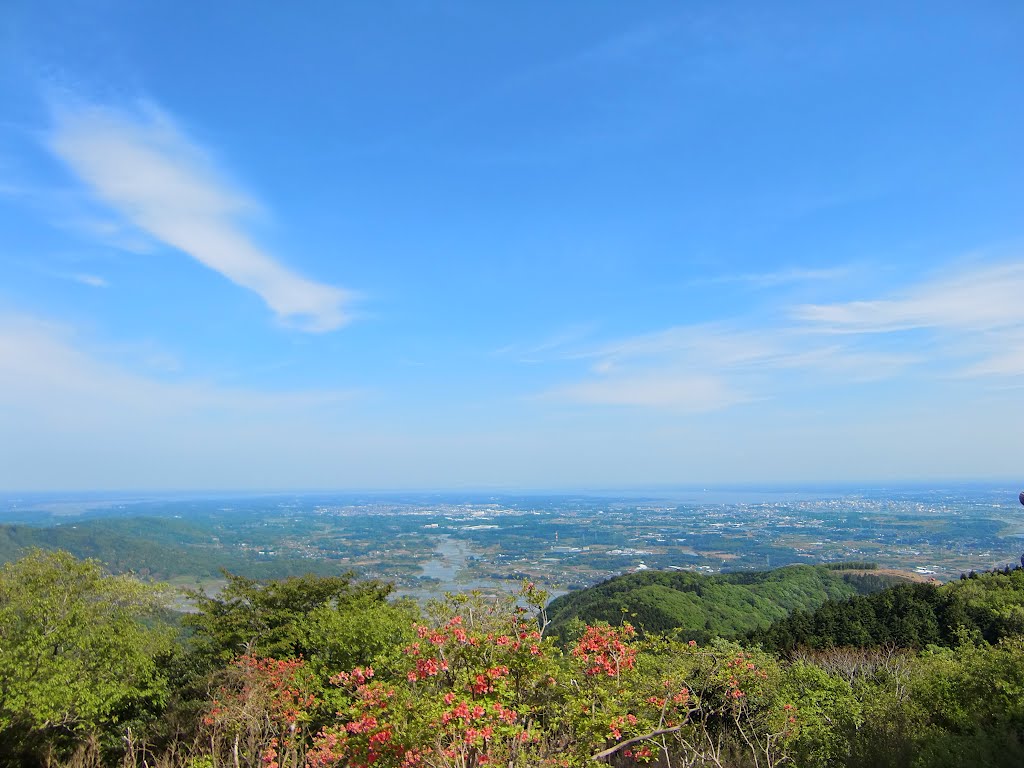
column 364, row 631
column 257, row 618
column 79, row 655
column 969, row 705
column 826, row 713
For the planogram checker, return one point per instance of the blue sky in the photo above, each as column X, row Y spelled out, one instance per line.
column 538, row 245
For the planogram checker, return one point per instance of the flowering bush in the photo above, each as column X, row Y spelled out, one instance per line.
column 693, row 705
column 473, row 692
column 479, row 685
column 259, row 712
column 606, row 650
column 716, row 703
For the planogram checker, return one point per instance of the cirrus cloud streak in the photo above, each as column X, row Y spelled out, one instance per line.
column 963, row 324
column 142, row 166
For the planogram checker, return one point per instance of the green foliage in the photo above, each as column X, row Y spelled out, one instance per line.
column 971, row 700
column 153, row 547
column 157, row 546
column 271, row 618
column 990, row 606
column 702, row 607
column 362, row 631
column 948, row 707
column 476, row 686
column 78, row 653
column 827, row 713
column 357, row 680
column 688, row 704
column 852, row 565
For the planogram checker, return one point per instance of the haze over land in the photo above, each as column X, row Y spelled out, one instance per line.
column 541, row 246
column 429, row 544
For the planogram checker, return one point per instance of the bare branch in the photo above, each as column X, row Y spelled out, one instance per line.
column 623, row 744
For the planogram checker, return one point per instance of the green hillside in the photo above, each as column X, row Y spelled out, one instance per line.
column 154, row 547
column 988, row 606
column 702, row 607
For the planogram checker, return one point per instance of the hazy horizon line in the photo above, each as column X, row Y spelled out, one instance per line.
column 774, row 486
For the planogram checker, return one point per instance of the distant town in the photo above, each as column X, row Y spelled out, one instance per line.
column 427, row 545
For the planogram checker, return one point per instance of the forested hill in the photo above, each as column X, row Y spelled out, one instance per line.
column 989, row 606
column 702, row 607
column 158, row 548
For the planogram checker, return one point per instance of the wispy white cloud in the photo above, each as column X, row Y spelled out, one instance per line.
column 1007, row 363
column 537, row 352
column 973, row 318
column 997, row 353
column 80, row 414
column 44, row 368
column 116, row 234
column 776, row 278
column 626, row 43
column 982, row 299
column 694, row 368
column 677, row 390
column 715, row 366
column 93, row 281
column 967, row 324
column 144, row 167
column 715, row 345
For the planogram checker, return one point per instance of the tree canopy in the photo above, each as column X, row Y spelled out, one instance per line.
column 80, row 650
column 328, row 672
